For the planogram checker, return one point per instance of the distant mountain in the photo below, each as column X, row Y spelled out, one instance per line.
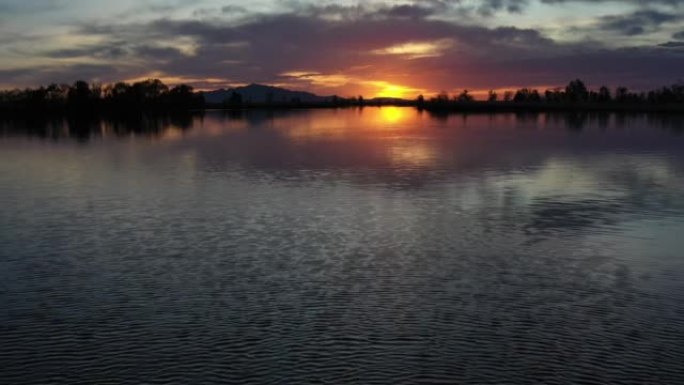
column 257, row 93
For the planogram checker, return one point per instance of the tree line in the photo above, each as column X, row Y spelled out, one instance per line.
column 151, row 94
column 154, row 95
column 575, row 93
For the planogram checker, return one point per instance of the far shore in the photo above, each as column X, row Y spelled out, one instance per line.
column 449, row 108
column 473, row 106
column 153, row 96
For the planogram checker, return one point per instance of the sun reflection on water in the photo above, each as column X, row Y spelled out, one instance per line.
column 393, row 114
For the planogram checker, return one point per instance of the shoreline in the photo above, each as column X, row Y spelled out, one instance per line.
column 430, row 107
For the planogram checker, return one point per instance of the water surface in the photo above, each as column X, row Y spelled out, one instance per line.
column 343, row 246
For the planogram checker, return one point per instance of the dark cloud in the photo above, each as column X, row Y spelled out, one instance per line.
column 18, row 7
column 488, row 7
column 410, row 11
column 415, row 9
column 268, row 46
column 514, row 6
column 62, row 74
column 678, row 35
column 119, row 50
column 233, row 9
column 288, row 42
column 107, row 51
column 637, row 23
column 672, row 44
column 158, row 53
column 638, row 67
column 625, row 2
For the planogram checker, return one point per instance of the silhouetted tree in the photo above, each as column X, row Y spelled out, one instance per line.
column 56, row 94
column 149, row 92
column 576, row 91
column 621, row 94
column 464, row 97
column 442, row 98
column 667, row 95
column 604, row 95
column 119, row 95
column 492, row 96
column 80, row 97
column 555, row 95
column 527, row 95
column 235, row 99
column 182, row 95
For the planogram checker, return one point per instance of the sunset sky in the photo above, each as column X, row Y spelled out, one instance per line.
column 374, row 48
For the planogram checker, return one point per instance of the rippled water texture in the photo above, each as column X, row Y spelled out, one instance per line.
column 351, row 246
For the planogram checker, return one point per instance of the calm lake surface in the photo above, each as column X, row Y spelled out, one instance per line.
column 343, row 246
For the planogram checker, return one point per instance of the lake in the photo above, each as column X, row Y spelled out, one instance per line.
column 373, row 246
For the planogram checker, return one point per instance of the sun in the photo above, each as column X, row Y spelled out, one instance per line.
column 394, row 91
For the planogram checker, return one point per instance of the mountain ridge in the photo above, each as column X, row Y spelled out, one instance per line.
column 261, row 93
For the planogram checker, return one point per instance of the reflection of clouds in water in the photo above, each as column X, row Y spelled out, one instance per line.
column 548, row 216
column 575, row 196
column 413, row 154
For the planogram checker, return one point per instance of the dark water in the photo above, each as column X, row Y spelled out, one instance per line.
column 377, row 246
